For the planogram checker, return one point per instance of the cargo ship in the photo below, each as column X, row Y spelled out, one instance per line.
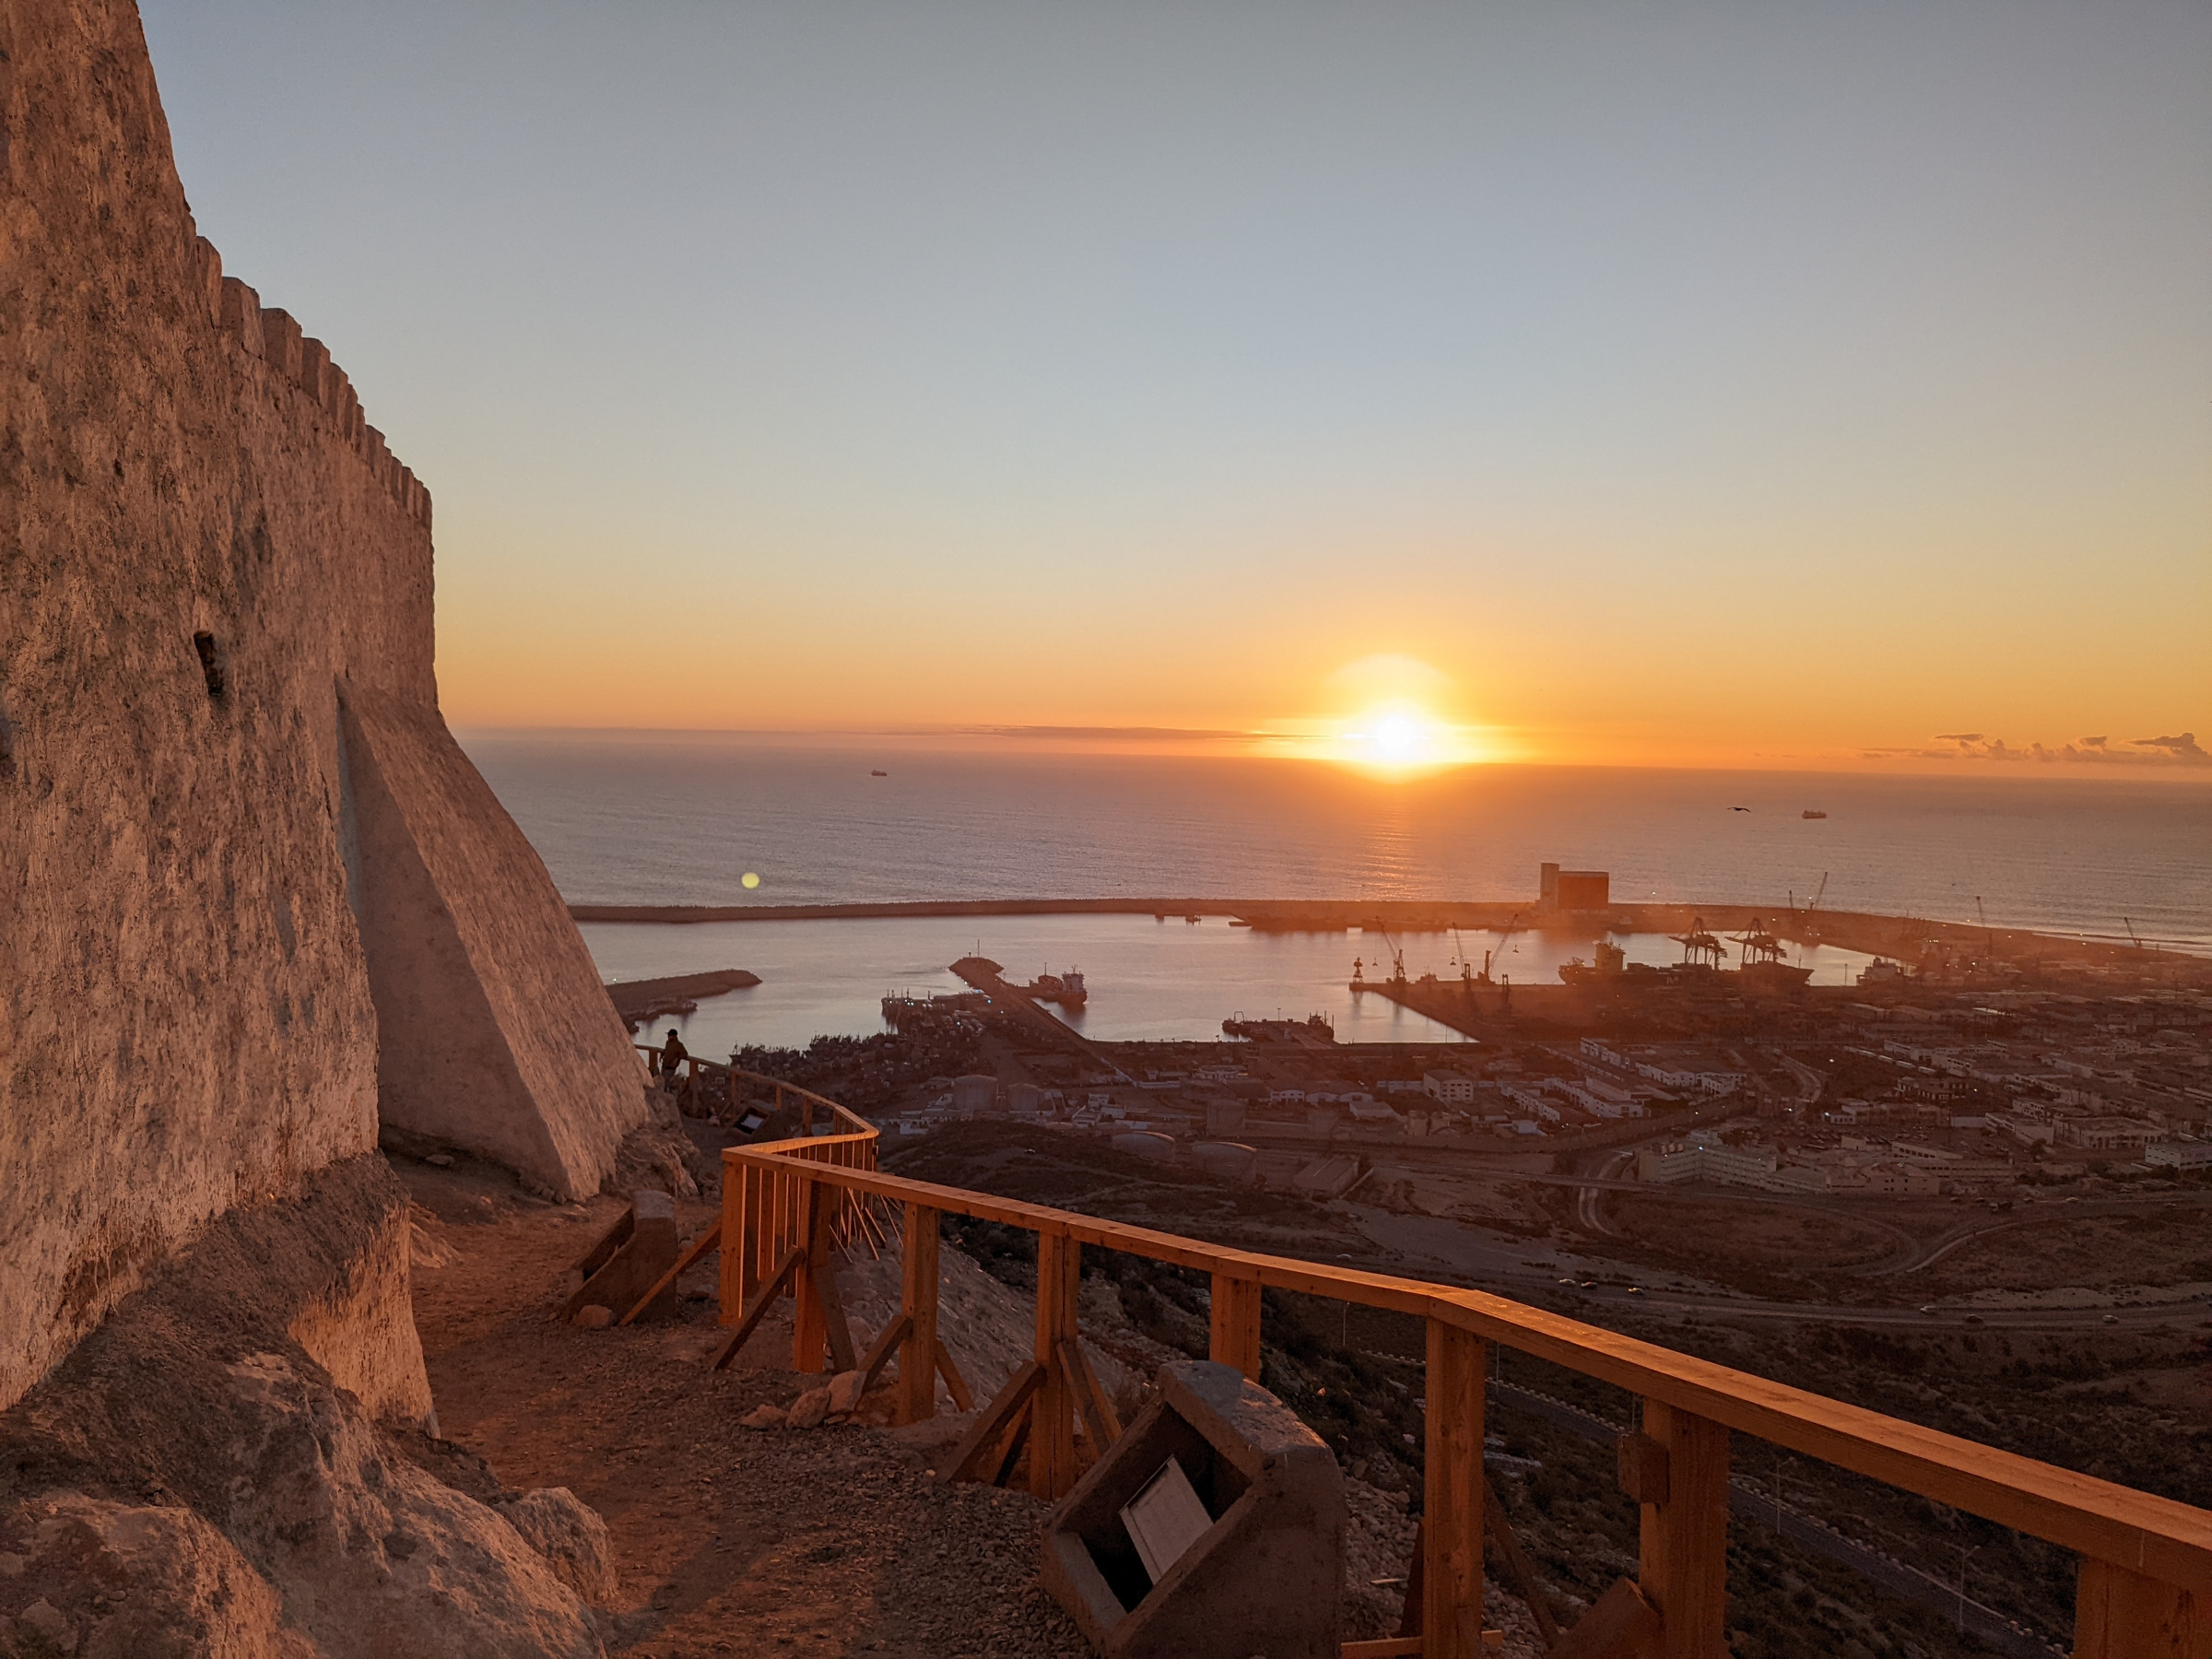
column 1066, row 989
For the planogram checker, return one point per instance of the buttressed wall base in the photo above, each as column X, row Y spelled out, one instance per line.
column 251, row 895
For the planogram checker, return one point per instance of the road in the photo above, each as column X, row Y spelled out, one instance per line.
column 1592, row 1286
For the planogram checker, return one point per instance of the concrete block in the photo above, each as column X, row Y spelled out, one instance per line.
column 1265, row 1577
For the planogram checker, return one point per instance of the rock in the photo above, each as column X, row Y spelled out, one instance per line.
column 170, row 1585
column 442, row 1160
column 844, row 1391
column 762, row 1416
column 52, row 1623
column 810, row 1408
column 569, row 1533
column 594, row 1318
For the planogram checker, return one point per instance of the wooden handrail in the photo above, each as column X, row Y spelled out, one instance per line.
column 2157, row 1537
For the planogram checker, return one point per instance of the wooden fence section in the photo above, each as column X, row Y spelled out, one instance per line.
column 2145, row 1578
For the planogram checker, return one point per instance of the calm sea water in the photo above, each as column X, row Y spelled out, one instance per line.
column 681, row 820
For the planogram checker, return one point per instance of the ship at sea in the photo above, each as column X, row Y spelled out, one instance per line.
column 1812, row 812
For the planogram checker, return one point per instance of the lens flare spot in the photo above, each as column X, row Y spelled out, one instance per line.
column 751, row 878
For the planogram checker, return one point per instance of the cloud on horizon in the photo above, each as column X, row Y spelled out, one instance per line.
column 2181, row 749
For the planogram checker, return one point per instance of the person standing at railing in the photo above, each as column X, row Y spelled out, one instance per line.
column 673, row 1055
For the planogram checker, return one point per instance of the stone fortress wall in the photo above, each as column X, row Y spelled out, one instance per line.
column 257, row 911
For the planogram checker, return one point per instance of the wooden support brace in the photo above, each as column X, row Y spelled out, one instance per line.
column 983, row 1434
column 819, row 1325
column 1450, row 1500
column 1053, row 1435
column 2119, row 1614
column 1098, row 1419
column 1682, row 1558
column 698, row 1247
column 1517, row 1563
column 918, row 1304
column 1233, row 1326
column 955, row 1384
column 763, row 1298
column 880, row 1351
column 1016, row 1438
column 1619, row 1625
column 1642, row 1468
column 603, row 1249
column 1409, row 1647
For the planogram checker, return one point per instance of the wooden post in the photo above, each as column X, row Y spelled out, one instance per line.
column 918, row 1300
column 1452, row 1497
column 809, row 1331
column 736, row 1234
column 1235, row 1324
column 1684, row 1558
column 2121, row 1615
column 1052, row 1431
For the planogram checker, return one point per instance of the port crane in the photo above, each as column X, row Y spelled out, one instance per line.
column 1699, row 949
column 1398, row 958
column 1466, row 968
column 1512, row 923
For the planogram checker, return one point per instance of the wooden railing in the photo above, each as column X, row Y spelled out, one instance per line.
column 2145, row 1585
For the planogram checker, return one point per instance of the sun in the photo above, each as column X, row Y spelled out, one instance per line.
column 1398, row 736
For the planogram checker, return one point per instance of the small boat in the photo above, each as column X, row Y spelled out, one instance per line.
column 1812, row 812
column 879, row 774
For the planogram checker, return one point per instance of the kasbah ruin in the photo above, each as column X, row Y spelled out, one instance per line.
column 365, row 1293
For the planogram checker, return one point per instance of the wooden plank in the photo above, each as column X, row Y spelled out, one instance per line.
column 1052, row 1438
column 1100, row 1419
column 604, row 1247
column 740, row 1265
column 1619, row 1625
column 918, row 1303
column 763, row 1298
column 1410, row 1615
column 1450, row 1500
column 985, row 1433
column 822, row 1328
column 1003, row 1462
column 955, row 1384
column 698, row 1247
column 1233, row 1327
column 880, row 1351
column 2159, row 1538
column 2121, row 1615
column 1517, row 1567
column 1387, row 1647
column 1683, row 1561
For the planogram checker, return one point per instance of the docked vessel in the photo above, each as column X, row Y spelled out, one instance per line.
column 1763, row 967
column 1065, row 989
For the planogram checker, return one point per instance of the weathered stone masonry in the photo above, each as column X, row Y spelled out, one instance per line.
column 255, row 906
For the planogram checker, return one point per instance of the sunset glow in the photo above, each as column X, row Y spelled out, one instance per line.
column 1525, row 376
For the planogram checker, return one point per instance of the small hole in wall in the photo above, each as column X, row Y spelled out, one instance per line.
column 211, row 661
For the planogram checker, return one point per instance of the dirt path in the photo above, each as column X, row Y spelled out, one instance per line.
column 728, row 1540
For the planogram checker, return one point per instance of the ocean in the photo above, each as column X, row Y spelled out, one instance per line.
column 682, row 819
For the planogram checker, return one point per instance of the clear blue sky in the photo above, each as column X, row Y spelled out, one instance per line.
column 1705, row 379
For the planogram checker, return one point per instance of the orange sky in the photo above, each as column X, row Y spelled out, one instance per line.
column 1717, row 385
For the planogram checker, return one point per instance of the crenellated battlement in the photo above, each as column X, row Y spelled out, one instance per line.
column 304, row 363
